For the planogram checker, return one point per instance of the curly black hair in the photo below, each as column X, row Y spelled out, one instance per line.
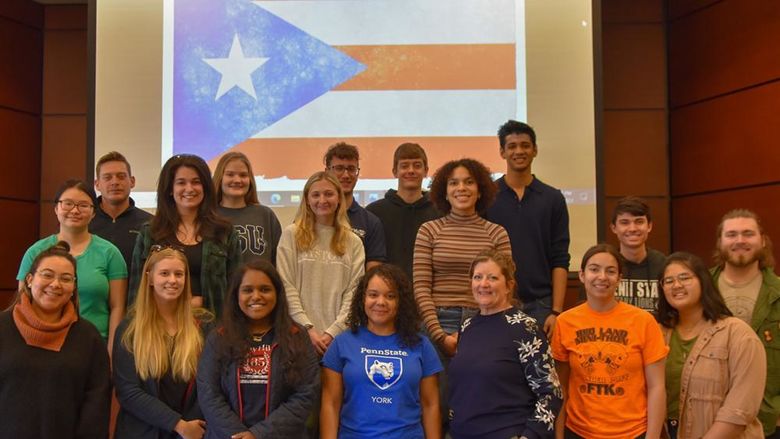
column 480, row 173
column 407, row 319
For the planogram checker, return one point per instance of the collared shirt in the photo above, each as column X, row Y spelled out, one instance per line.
column 538, row 228
column 121, row 231
column 369, row 229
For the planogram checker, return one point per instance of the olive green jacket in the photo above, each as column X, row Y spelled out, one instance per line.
column 766, row 323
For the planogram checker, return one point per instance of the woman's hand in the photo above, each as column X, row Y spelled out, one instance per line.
column 320, row 340
column 243, row 435
column 191, row 429
column 450, row 344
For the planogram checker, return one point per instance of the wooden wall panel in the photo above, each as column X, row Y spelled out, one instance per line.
column 632, row 11
column 696, row 217
column 64, row 150
column 678, row 8
column 20, row 154
column 727, row 142
column 722, row 48
column 23, row 11
column 20, row 234
column 61, row 17
column 20, row 69
column 635, row 155
column 634, row 66
column 65, row 72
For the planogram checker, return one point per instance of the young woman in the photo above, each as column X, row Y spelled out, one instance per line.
column 102, row 271
column 257, row 227
column 502, row 379
column 320, row 260
column 610, row 359
column 156, row 354
column 258, row 377
column 444, row 249
column 716, row 369
column 186, row 218
column 379, row 379
column 462, row 189
column 54, row 376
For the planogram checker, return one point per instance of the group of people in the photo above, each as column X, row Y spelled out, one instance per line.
column 423, row 314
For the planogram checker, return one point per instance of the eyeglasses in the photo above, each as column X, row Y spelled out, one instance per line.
column 160, row 247
column 49, row 276
column 68, row 205
column 685, row 279
column 339, row 169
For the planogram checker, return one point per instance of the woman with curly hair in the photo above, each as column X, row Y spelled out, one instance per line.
column 186, row 217
column 444, row 249
column 320, row 261
column 258, row 376
column 156, row 354
column 503, row 378
column 400, row 398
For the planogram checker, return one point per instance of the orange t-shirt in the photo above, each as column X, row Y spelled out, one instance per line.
column 607, row 354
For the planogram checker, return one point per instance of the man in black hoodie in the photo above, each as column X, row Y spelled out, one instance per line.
column 405, row 209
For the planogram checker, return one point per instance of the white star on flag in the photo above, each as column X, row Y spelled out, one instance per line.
column 236, row 70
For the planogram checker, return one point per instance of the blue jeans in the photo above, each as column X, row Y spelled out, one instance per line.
column 539, row 309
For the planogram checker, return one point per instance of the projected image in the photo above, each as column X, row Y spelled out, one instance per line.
column 282, row 80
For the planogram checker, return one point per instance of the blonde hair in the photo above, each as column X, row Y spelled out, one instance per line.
column 250, row 197
column 146, row 337
column 305, row 220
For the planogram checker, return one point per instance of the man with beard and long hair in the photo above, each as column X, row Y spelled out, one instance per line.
column 744, row 274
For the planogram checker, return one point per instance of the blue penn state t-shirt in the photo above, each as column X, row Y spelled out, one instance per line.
column 381, row 383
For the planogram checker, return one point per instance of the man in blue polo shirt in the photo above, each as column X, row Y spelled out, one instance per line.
column 536, row 218
column 342, row 161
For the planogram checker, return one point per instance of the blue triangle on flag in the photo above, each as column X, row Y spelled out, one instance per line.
column 299, row 69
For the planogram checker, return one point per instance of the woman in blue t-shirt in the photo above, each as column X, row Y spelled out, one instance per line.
column 258, row 376
column 380, row 378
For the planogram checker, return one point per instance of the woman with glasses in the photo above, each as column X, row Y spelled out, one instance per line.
column 320, row 261
column 610, row 359
column 156, row 354
column 102, row 272
column 716, row 369
column 257, row 227
column 54, row 372
column 186, row 218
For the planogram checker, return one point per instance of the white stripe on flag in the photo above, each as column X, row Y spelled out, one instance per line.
column 399, row 113
column 392, row 22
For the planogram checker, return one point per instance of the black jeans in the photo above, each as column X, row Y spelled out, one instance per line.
column 568, row 434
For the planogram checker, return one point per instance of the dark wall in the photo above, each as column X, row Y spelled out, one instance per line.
column 635, row 119
column 724, row 95
column 21, row 23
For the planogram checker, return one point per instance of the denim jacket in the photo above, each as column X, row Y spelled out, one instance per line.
column 220, row 260
column 766, row 323
column 722, row 380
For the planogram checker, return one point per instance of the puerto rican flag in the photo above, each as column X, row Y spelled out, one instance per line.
column 282, row 80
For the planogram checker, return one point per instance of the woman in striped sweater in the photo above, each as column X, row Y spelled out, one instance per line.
column 445, row 248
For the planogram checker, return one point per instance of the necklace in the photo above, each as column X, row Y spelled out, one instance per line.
column 258, row 338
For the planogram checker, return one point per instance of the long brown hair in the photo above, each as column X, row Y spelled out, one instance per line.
column 250, row 197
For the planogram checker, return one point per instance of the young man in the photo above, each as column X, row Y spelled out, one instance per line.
column 403, row 210
column 343, row 162
column 632, row 224
column 745, row 277
column 537, row 221
column 116, row 218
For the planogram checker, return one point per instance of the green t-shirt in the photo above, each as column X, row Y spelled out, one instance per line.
column 100, row 263
column 678, row 353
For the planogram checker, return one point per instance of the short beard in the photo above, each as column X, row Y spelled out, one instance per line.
column 741, row 261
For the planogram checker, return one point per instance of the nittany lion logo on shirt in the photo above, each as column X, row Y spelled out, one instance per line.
column 384, row 371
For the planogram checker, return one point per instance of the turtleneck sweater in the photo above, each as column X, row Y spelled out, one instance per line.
column 443, row 252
